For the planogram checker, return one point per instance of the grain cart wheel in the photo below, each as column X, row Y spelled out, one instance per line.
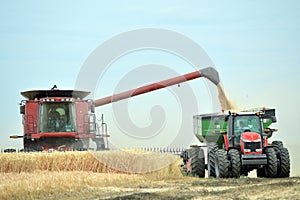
column 222, row 164
column 271, row 167
column 211, row 159
column 197, row 160
column 234, row 163
column 283, row 163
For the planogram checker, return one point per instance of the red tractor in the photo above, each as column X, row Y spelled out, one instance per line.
column 237, row 143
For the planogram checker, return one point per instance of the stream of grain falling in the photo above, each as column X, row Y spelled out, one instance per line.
column 223, row 99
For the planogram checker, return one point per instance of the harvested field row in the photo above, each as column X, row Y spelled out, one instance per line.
column 158, row 185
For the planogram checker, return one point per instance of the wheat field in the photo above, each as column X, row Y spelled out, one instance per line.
column 48, row 175
column 119, row 161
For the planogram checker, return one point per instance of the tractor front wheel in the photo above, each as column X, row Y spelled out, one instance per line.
column 222, row 164
column 283, row 163
column 271, row 167
column 235, row 163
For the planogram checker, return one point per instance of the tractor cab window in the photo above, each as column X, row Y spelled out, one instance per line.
column 56, row 117
column 243, row 124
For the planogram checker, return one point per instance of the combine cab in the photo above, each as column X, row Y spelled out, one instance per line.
column 60, row 120
column 237, row 143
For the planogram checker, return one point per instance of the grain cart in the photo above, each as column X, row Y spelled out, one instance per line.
column 237, row 143
column 64, row 120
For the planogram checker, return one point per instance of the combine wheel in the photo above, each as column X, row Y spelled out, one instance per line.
column 271, row 167
column 197, row 160
column 283, row 163
column 211, row 159
column 31, row 146
column 222, row 164
column 234, row 163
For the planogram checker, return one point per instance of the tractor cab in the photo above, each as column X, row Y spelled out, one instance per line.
column 245, row 132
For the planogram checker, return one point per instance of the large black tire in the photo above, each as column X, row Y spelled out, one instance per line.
column 197, row 160
column 222, row 162
column 277, row 144
column 283, row 163
column 31, row 146
column 211, row 159
column 271, row 167
column 234, row 163
column 283, row 159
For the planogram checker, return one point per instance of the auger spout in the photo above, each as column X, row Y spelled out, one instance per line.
column 210, row 73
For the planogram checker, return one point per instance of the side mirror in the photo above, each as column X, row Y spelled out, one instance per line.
column 269, row 132
column 22, row 109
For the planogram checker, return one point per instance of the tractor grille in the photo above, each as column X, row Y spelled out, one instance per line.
column 252, row 146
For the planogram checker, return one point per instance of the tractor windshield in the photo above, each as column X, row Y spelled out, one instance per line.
column 56, row 117
column 249, row 123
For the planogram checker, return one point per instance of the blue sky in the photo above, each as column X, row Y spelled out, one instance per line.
column 254, row 45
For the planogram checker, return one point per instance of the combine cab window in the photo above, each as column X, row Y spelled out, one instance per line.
column 57, row 117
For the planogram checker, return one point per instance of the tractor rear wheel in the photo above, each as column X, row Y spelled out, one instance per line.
column 211, row 159
column 277, row 144
column 222, row 166
column 283, row 163
column 271, row 167
column 235, row 163
column 197, row 160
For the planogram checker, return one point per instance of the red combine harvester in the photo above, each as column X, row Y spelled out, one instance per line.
column 64, row 120
column 60, row 120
